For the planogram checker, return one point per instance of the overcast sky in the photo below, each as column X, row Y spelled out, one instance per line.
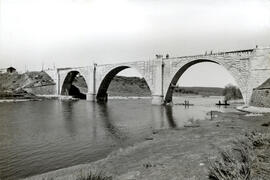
column 80, row 32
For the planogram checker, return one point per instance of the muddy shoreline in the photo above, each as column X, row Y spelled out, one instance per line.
column 180, row 153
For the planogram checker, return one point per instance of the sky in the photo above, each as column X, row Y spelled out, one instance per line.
column 63, row 33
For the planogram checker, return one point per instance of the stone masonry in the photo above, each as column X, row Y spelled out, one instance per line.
column 250, row 68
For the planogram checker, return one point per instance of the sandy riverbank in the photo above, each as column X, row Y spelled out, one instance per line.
column 32, row 98
column 253, row 109
column 171, row 154
column 17, row 100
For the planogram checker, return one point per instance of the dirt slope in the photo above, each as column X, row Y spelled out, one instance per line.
column 12, row 85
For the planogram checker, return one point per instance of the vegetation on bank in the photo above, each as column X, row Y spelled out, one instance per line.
column 248, row 158
column 95, row 176
column 232, row 92
column 204, row 91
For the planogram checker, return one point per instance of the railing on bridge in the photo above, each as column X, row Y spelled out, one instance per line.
column 238, row 52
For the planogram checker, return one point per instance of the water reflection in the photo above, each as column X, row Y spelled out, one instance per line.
column 94, row 120
column 169, row 115
column 68, row 117
column 157, row 117
column 36, row 137
column 162, row 117
column 107, row 119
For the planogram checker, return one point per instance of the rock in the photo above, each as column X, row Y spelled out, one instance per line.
column 149, row 138
column 192, row 125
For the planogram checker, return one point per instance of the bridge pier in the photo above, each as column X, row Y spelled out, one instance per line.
column 157, row 100
column 91, row 97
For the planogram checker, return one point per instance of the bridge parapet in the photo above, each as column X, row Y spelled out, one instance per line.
column 247, row 52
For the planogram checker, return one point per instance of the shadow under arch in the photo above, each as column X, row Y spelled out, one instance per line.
column 69, row 89
column 102, row 95
column 181, row 71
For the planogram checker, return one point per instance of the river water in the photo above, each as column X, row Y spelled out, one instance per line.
column 40, row 136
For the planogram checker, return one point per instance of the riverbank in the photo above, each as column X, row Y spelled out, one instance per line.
column 17, row 100
column 25, row 97
column 181, row 153
column 253, row 109
column 48, row 97
column 63, row 98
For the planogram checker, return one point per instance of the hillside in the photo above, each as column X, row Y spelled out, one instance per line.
column 15, row 81
column 120, row 86
column 128, row 86
column 135, row 86
column 204, row 91
column 14, row 85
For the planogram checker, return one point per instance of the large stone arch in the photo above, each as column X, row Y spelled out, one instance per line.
column 106, row 73
column 67, row 76
column 236, row 67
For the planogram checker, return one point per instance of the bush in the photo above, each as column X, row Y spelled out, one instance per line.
column 232, row 92
column 248, row 158
column 234, row 164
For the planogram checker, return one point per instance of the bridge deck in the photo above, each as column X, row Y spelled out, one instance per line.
column 247, row 51
column 237, row 52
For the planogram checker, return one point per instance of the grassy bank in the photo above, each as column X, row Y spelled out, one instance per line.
column 247, row 158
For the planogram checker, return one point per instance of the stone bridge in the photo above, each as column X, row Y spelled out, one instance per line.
column 250, row 68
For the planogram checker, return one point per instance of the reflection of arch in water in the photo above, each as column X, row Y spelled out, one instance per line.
column 170, row 118
column 67, row 108
column 68, row 89
column 163, row 115
column 182, row 70
column 109, row 126
column 106, row 80
column 94, row 119
column 158, row 119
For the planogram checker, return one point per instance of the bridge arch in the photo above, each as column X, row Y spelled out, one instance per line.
column 108, row 75
column 66, row 87
column 182, row 68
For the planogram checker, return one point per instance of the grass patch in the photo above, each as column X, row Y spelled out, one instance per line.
column 95, row 176
column 248, row 158
column 234, row 163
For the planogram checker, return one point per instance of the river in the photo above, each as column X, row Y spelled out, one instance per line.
column 40, row 136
